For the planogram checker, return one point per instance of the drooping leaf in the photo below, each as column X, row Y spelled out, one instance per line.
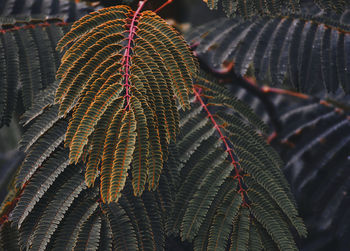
column 123, row 155
column 9, row 237
column 247, row 162
column 29, row 62
column 145, row 74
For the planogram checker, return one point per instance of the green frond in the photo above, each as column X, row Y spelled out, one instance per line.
column 126, row 225
column 201, row 241
column 56, row 210
column 186, row 191
column 29, row 67
column 9, row 237
column 40, row 183
column 71, row 226
column 193, row 139
column 42, row 100
column 28, row 226
column 95, row 18
column 271, row 220
column 123, row 155
column 139, row 218
column 252, row 165
column 28, row 63
column 45, row 217
column 257, row 147
column 255, row 243
column 260, row 171
column 3, row 84
column 140, row 161
column 98, row 68
column 91, row 118
column 124, row 235
column 241, row 235
column 46, row 53
column 223, row 220
column 157, row 216
column 242, row 109
column 155, row 157
column 220, row 96
column 9, row 74
column 41, row 150
column 108, row 153
column 89, row 235
column 97, row 142
column 106, row 238
column 45, row 120
column 200, row 202
column 172, row 169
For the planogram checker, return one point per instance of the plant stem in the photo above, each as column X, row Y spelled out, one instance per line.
column 163, row 5
column 126, row 57
column 229, row 149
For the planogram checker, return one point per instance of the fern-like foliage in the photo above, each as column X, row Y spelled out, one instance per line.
column 9, row 237
column 57, row 211
column 29, row 32
column 315, row 148
column 312, row 137
column 121, row 74
column 231, row 189
column 334, row 5
column 66, row 9
column 28, row 61
column 307, row 54
column 249, row 8
column 232, row 193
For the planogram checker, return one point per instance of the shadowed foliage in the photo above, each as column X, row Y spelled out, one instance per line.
column 249, row 8
column 57, row 211
column 64, row 9
column 233, row 201
column 28, row 61
column 312, row 137
column 315, row 149
column 129, row 101
column 227, row 199
column 334, row 5
column 305, row 53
